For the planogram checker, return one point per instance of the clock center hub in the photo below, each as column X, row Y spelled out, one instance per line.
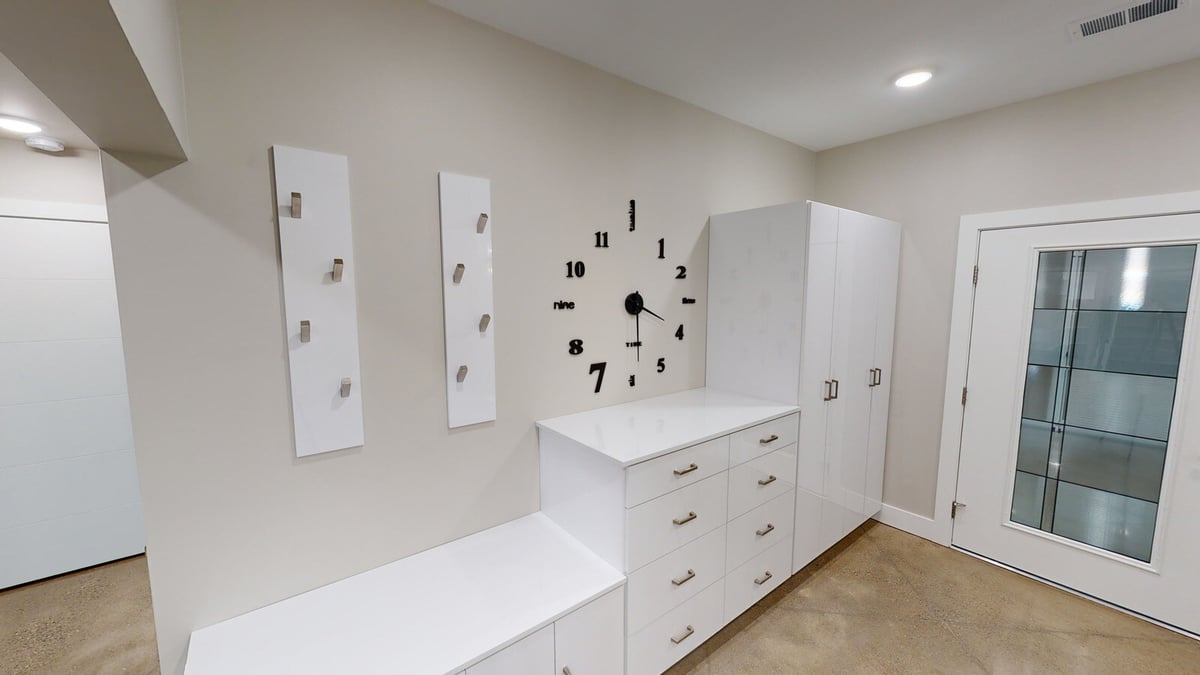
column 634, row 303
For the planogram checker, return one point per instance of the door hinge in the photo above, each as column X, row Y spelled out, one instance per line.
column 964, row 397
column 975, row 276
column 954, row 509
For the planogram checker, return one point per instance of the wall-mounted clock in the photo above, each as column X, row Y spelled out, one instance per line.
column 635, row 279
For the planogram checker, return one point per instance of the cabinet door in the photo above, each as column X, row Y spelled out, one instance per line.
column 816, row 365
column 887, row 269
column 533, row 655
column 591, row 640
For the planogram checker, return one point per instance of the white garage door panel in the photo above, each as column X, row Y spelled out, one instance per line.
column 54, row 249
column 48, row 490
column 36, row 432
column 82, row 309
column 52, row 547
column 55, row 371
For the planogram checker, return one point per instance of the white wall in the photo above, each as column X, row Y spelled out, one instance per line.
column 1127, row 137
column 73, row 176
column 404, row 89
column 151, row 26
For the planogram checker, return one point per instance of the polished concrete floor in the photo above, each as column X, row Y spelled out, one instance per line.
column 880, row 602
column 96, row 621
column 884, row 601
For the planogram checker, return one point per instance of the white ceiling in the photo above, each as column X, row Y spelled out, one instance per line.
column 819, row 72
column 19, row 97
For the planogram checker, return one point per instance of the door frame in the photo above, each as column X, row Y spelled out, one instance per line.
column 940, row 528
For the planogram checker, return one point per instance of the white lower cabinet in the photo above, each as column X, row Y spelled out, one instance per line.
column 591, row 640
column 671, row 637
column 761, row 529
column 533, row 655
column 752, row 581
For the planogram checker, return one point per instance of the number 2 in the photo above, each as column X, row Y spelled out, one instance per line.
column 682, row 272
column 598, row 368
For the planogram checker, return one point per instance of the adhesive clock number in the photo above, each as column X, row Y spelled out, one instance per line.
column 636, row 269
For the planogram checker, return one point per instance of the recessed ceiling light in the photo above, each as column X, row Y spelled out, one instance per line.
column 45, row 144
column 18, row 125
column 913, row 79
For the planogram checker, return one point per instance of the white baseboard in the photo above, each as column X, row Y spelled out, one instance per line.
column 922, row 526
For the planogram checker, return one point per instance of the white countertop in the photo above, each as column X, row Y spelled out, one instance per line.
column 640, row 430
column 433, row 612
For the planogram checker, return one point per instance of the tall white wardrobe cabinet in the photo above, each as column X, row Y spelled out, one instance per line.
column 802, row 302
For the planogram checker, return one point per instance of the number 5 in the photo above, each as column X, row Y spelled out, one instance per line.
column 662, row 364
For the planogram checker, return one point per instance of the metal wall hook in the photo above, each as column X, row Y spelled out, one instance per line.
column 345, row 387
column 306, row 331
column 481, row 223
column 338, row 264
column 295, row 204
column 484, row 321
column 462, row 373
column 458, row 272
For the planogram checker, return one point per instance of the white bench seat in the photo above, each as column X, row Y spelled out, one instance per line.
column 439, row 611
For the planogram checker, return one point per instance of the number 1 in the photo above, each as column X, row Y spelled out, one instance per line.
column 662, row 244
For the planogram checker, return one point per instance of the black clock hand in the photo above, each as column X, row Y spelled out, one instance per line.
column 637, row 335
column 646, row 310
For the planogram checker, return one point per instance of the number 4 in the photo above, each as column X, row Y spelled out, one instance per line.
column 679, row 333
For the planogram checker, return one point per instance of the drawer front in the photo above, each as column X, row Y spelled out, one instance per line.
column 762, row 574
column 681, row 468
column 759, row 530
column 533, row 655
column 761, row 480
column 657, row 646
column 664, row 524
column 675, row 578
column 591, row 640
column 756, row 441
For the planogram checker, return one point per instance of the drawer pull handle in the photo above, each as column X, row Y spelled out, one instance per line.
column 691, row 574
column 768, row 440
column 763, row 579
column 768, row 480
column 690, row 468
column 685, row 635
column 686, row 519
column 566, row 669
column 765, row 531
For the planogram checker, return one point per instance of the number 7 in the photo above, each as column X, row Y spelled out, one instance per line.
column 598, row 368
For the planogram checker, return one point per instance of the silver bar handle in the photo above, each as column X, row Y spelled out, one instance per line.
column 306, row 331
column 686, row 519
column 690, row 468
column 481, row 223
column 295, row 204
column 878, row 376
column 484, row 321
column 837, row 389
column 768, row 440
column 768, row 480
column 683, row 636
column 345, row 391
column 691, row 574
column 458, row 272
column 828, row 390
column 763, row 579
column 766, row 530
column 338, row 265
column 462, row 374
column 566, row 670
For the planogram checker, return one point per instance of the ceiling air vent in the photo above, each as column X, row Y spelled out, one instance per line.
column 1124, row 17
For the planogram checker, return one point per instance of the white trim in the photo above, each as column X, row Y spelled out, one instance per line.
column 912, row 523
column 28, row 208
column 970, row 227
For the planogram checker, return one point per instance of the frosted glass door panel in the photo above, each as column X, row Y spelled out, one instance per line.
column 1104, row 346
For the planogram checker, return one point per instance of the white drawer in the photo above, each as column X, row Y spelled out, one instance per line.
column 533, row 655
column 662, row 525
column 591, row 640
column 653, row 649
column 760, row 529
column 674, row 578
column 761, row 480
column 747, row 444
column 748, row 584
column 681, row 468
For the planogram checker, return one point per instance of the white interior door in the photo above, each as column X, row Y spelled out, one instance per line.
column 1080, row 459
column 885, row 271
column 69, row 494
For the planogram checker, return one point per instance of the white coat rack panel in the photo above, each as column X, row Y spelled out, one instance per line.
column 466, row 205
column 312, row 198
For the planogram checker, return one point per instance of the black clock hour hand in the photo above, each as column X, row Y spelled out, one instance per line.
column 637, row 335
column 646, row 310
